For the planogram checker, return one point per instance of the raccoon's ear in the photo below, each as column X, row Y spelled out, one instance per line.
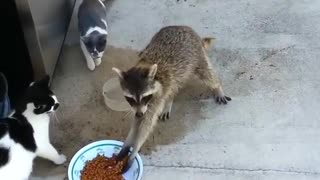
column 153, row 71
column 118, row 71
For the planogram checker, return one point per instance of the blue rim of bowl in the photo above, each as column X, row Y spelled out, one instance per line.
column 137, row 158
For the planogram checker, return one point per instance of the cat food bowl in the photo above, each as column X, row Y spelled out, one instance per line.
column 106, row 148
column 113, row 96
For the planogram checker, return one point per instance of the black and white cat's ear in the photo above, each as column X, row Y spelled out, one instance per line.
column 118, row 71
column 44, row 82
column 84, row 39
column 153, row 71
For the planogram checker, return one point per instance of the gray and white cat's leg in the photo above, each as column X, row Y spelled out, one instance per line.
column 47, row 151
column 206, row 74
column 90, row 62
column 97, row 61
column 166, row 110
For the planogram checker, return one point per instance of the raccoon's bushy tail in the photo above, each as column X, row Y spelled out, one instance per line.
column 207, row 42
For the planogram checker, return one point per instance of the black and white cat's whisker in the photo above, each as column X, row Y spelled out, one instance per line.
column 58, row 120
column 54, row 117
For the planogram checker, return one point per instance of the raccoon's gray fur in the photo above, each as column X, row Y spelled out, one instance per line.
column 174, row 54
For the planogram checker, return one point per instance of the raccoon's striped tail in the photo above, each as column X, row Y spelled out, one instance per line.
column 207, row 42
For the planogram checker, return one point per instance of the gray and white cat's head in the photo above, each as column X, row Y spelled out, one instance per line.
column 95, row 41
column 93, row 27
column 38, row 99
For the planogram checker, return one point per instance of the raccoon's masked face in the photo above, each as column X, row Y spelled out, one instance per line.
column 95, row 44
column 139, row 87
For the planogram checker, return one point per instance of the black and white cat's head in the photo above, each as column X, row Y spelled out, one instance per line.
column 95, row 42
column 38, row 98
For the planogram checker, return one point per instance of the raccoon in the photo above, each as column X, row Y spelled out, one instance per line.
column 174, row 54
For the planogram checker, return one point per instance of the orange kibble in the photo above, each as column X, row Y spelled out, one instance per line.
column 103, row 168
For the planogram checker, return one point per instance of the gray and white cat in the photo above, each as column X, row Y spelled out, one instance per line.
column 93, row 28
column 24, row 135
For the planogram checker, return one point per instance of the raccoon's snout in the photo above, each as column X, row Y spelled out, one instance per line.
column 139, row 114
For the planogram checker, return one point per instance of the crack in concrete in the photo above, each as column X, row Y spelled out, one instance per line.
column 273, row 52
column 238, row 169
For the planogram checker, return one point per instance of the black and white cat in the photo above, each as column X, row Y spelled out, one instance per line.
column 25, row 133
column 93, row 28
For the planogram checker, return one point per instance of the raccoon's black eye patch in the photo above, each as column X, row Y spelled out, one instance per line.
column 130, row 100
column 146, row 99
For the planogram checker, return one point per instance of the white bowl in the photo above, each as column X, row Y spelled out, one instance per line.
column 113, row 96
column 106, row 148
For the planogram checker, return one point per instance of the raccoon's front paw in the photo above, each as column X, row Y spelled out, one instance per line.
column 128, row 165
column 61, row 159
column 223, row 99
column 124, row 152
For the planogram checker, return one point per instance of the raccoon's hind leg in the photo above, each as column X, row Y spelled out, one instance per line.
column 205, row 73
column 166, row 110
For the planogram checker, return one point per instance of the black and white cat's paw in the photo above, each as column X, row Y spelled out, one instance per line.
column 61, row 159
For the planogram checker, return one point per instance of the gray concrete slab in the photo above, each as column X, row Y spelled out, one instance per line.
column 266, row 53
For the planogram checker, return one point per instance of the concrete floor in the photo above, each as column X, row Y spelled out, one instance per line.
column 266, row 53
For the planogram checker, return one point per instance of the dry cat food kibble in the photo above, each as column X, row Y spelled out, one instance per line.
column 103, row 168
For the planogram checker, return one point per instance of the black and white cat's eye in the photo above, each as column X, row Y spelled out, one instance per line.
column 39, row 107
